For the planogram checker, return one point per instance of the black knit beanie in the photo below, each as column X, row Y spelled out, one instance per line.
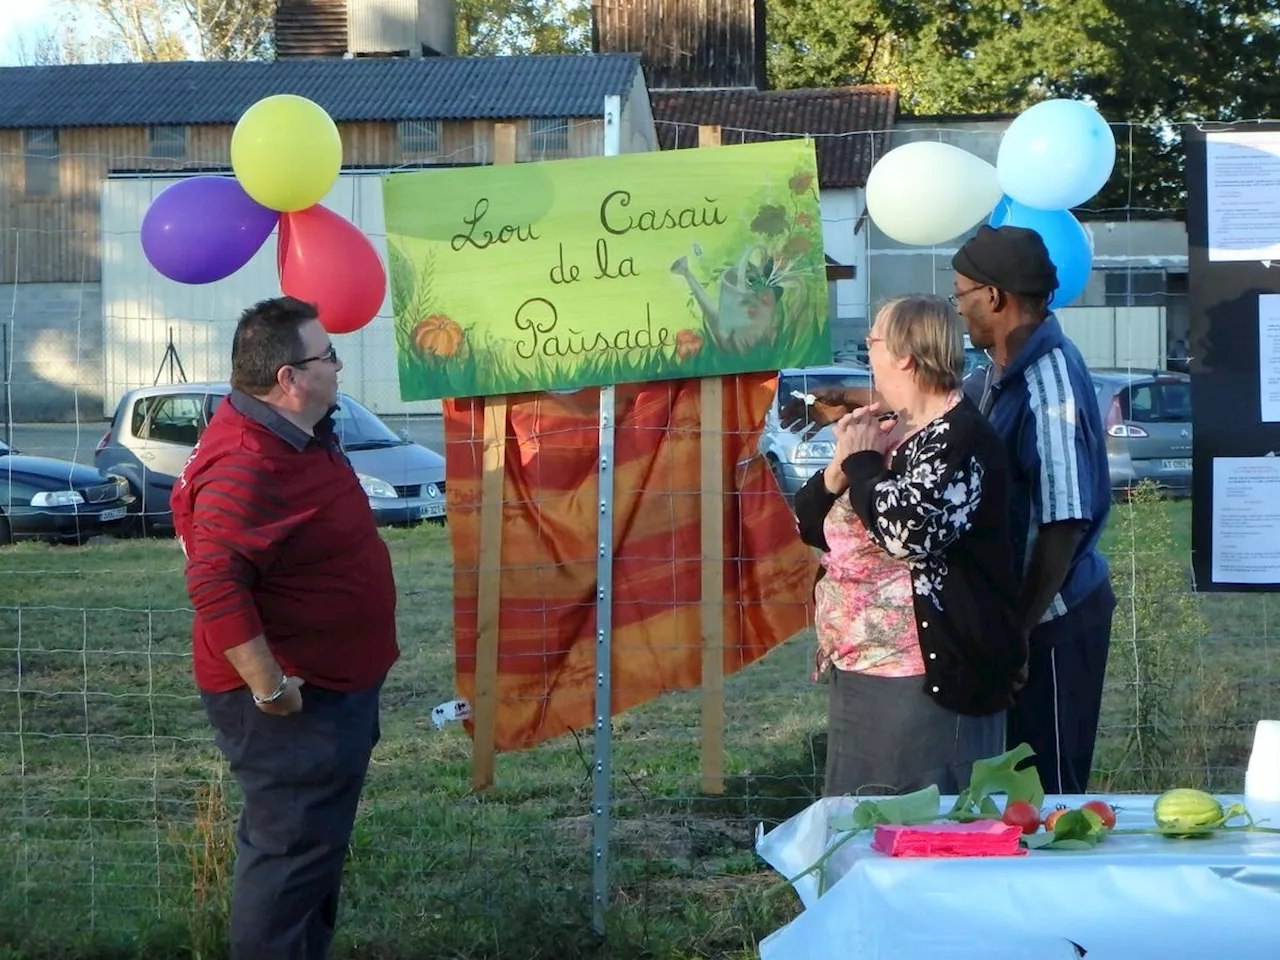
column 1012, row 259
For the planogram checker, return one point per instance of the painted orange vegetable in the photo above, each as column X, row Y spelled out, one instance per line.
column 688, row 343
column 438, row 336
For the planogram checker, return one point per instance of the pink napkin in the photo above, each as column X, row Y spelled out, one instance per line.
column 982, row 838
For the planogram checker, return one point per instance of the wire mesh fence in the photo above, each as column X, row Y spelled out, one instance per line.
column 117, row 816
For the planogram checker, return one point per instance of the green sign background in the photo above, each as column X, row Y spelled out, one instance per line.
column 574, row 273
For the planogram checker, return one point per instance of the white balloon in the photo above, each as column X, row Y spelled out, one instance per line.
column 925, row 192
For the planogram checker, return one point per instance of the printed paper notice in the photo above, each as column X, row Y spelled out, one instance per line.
column 1246, row 520
column 1243, row 195
column 1269, row 356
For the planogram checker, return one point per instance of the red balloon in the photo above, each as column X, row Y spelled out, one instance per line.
column 325, row 260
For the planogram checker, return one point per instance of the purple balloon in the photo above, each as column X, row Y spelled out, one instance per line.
column 204, row 229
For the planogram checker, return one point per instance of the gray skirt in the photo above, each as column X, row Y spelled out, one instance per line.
column 886, row 736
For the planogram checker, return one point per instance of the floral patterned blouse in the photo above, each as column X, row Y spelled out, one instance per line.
column 864, row 604
column 925, row 534
column 863, row 612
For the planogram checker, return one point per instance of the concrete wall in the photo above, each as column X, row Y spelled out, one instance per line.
column 638, row 132
column 1124, row 338
column 1118, row 246
column 979, row 137
column 53, row 335
column 54, row 331
column 140, row 307
column 845, row 242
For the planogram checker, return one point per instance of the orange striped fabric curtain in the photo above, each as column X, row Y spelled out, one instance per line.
column 547, row 621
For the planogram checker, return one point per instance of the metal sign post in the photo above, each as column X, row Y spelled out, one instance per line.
column 602, row 769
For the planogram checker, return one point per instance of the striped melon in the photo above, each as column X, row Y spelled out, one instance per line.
column 1185, row 812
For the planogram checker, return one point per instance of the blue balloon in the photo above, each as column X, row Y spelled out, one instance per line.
column 1056, row 155
column 1068, row 243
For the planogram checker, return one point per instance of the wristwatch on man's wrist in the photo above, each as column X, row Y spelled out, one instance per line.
column 275, row 694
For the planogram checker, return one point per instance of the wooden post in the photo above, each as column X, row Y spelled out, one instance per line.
column 712, row 414
column 488, row 593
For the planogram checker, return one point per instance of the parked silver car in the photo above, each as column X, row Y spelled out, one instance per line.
column 793, row 445
column 1147, row 419
column 155, row 429
column 1146, row 416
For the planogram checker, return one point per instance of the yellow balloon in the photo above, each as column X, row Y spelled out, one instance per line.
column 286, row 152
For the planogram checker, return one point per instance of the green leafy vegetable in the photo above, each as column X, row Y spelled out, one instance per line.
column 998, row 775
column 918, row 807
column 1074, row 830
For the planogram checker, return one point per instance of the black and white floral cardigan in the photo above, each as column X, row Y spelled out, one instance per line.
column 942, row 506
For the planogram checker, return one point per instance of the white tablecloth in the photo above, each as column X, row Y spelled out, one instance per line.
column 1131, row 897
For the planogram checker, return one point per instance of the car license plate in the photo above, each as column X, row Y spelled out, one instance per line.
column 1175, row 464
column 429, row 510
column 115, row 513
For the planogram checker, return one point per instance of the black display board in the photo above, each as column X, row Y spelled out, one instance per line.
column 1225, row 373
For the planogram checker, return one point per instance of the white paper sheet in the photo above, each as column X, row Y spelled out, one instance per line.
column 1243, row 195
column 1269, row 356
column 1246, row 520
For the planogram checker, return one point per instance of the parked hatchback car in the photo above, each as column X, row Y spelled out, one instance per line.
column 42, row 498
column 794, row 448
column 155, row 429
column 1147, row 419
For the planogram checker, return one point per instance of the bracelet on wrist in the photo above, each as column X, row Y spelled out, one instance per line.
column 276, row 694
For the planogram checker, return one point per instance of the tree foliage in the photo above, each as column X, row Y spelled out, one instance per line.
column 492, row 27
column 1149, row 65
column 95, row 31
column 131, row 30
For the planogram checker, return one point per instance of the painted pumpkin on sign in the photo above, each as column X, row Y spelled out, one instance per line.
column 688, row 344
column 438, row 336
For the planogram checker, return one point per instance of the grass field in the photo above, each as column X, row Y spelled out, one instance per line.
column 113, row 842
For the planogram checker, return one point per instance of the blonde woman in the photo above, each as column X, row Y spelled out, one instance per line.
column 915, row 603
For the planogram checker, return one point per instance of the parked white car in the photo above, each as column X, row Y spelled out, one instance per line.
column 794, row 448
column 155, row 429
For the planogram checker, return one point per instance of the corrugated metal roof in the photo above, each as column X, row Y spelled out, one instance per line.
column 850, row 124
column 429, row 88
column 311, row 28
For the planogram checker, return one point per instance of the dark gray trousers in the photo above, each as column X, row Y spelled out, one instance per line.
column 301, row 777
column 886, row 736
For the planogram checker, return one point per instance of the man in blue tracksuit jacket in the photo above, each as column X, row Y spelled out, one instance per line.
column 1041, row 400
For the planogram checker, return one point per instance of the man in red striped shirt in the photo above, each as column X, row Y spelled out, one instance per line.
column 294, row 628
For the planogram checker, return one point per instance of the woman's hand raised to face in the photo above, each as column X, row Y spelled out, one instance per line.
column 861, row 431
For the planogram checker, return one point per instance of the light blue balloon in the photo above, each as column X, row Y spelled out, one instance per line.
column 1056, row 155
column 1067, row 241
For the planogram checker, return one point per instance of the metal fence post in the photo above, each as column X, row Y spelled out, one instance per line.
column 602, row 769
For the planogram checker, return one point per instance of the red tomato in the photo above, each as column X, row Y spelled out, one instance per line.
column 1103, row 810
column 1019, row 813
column 1052, row 818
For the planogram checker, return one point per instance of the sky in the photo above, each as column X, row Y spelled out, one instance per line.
column 21, row 18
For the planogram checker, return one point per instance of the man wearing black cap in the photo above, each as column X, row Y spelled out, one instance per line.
column 1039, row 396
